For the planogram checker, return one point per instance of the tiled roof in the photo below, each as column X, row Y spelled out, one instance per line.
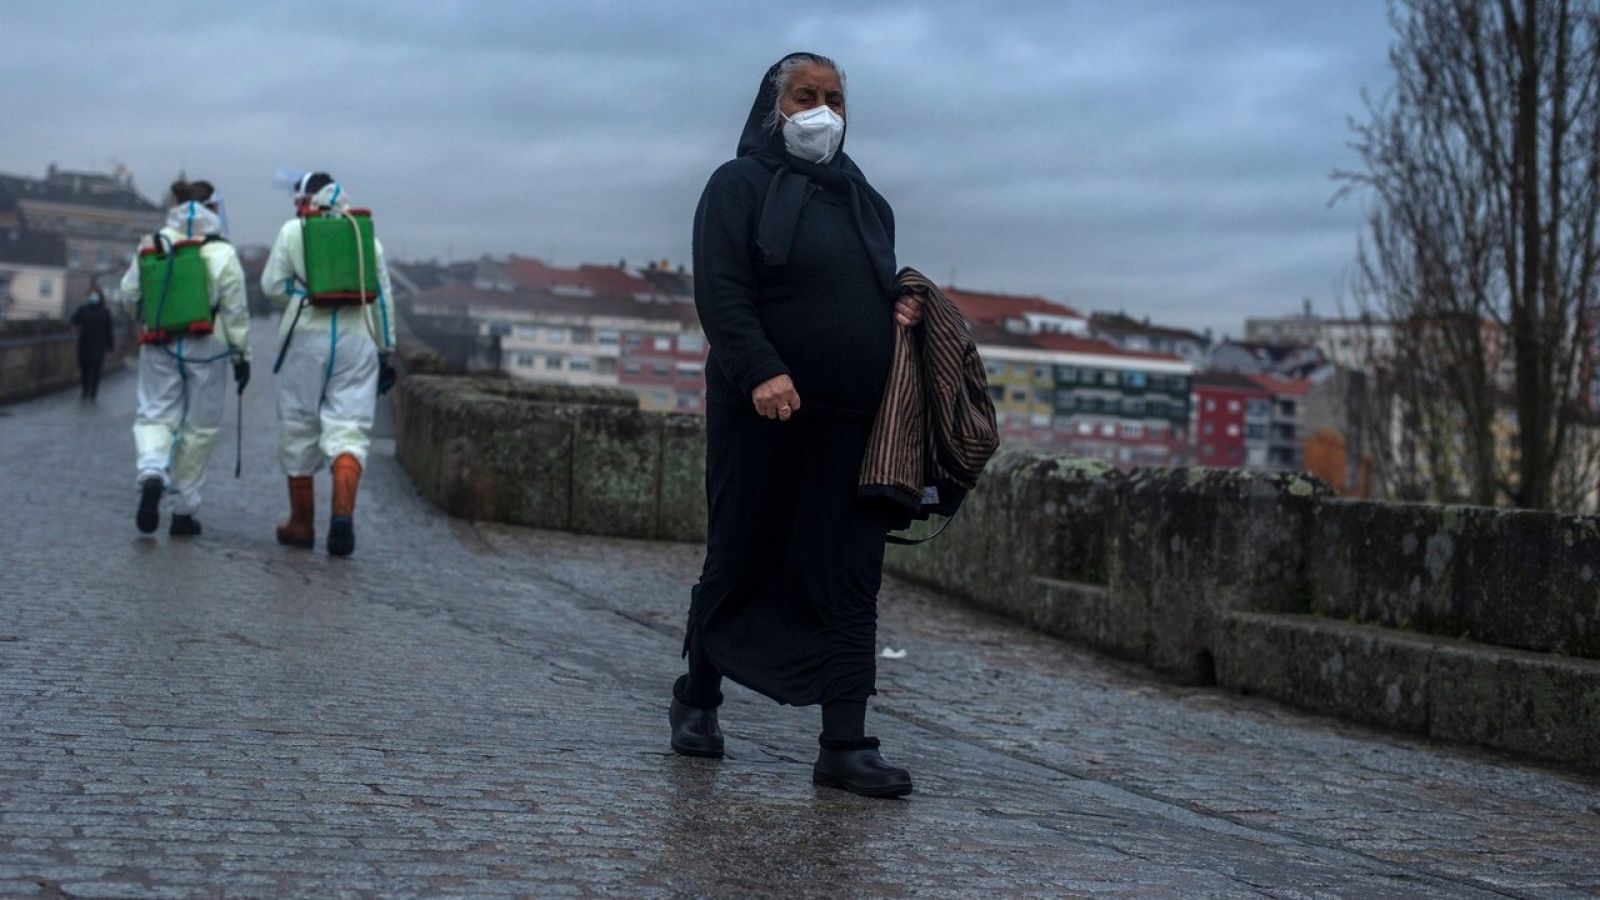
column 1224, row 380
column 32, row 248
column 77, row 188
column 1125, row 324
column 984, row 308
column 994, row 335
column 1297, row 387
column 466, row 299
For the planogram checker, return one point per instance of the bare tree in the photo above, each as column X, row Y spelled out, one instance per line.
column 1484, row 168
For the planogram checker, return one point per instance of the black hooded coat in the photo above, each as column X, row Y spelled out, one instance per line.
column 794, row 274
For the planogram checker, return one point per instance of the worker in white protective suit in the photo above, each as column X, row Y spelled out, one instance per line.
column 183, row 371
column 333, row 362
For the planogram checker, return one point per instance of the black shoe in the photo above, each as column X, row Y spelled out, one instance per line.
column 149, row 515
column 341, row 536
column 857, row 767
column 184, row 526
column 695, row 731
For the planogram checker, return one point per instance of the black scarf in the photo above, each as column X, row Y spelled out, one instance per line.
column 794, row 180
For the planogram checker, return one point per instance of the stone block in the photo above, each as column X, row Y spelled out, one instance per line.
column 1030, row 515
column 1190, row 544
column 616, row 460
column 1534, row 704
column 682, row 514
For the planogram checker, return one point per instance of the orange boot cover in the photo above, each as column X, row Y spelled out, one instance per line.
column 346, row 478
column 299, row 530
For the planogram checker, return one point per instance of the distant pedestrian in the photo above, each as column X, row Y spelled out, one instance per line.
column 795, row 286
column 95, row 340
column 187, row 287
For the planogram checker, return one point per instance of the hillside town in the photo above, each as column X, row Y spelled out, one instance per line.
column 1294, row 393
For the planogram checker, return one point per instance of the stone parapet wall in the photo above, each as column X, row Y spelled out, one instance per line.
column 548, row 456
column 1464, row 624
column 40, row 356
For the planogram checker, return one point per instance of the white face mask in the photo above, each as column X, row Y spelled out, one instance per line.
column 814, row 135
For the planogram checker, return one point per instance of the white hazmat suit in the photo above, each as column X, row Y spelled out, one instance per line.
column 328, row 383
column 183, row 383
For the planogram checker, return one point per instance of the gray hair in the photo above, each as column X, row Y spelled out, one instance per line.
column 785, row 73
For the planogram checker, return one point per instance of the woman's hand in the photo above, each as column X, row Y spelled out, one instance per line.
column 908, row 309
column 776, row 398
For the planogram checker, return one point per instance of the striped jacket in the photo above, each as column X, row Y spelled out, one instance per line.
column 935, row 429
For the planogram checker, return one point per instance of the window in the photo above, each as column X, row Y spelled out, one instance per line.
column 47, row 287
column 527, row 332
column 631, row 368
column 102, row 258
column 1132, row 430
column 1019, row 396
column 1040, row 373
column 1041, row 395
column 660, row 370
column 607, row 338
column 1255, row 432
column 991, row 370
column 1211, row 405
column 691, row 343
column 997, row 393
column 1286, row 408
column 1086, row 428
column 1109, row 379
column 1133, row 407
column 1256, row 409
column 524, row 360
column 1066, row 374
column 579, row 364
column 1041, row 420
column 74, row 257
column 555, row 335
column 1108, row 429
column 606, row 365
column 1209, row 429
column 1233, row 431
column 689, row 370
column 662, row 344
column 1134, row 379
column 661, row 398
column 1233, row 406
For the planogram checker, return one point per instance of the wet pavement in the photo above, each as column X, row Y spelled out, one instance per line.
column 481, row 710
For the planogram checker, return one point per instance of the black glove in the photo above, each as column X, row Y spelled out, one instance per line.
column 241, row 374
column 385, row 374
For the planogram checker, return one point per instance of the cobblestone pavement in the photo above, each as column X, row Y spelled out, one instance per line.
column 480, row 710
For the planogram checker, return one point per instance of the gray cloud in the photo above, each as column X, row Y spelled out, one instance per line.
column 1166, row 159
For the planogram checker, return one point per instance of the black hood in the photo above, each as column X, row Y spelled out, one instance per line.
column 794, row 180
column 756, row 139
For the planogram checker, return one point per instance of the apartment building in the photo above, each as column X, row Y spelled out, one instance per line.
column 593, row 325
column 99, row 217
column 1144, row 336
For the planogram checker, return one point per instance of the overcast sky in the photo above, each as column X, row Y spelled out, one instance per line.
column 1165, row 158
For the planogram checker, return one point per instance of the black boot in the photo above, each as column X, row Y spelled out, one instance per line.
column 341, row 536
column 184, row 526
column 149, row 515
column 857, row 767
column 695, row 731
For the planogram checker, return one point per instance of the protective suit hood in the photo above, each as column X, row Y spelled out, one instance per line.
column 193, row 220
column 332, row 196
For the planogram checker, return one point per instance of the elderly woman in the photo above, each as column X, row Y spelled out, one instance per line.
column 795, row 287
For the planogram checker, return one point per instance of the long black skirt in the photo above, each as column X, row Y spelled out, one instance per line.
column 787, row 602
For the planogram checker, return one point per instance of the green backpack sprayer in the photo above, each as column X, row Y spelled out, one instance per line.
column 175, row 291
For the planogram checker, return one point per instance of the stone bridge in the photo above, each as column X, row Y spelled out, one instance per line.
column 477, row 709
